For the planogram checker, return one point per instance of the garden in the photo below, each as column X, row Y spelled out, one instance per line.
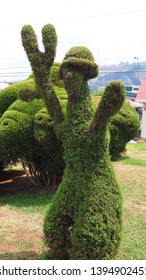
column 22, row 212
column 64, row 199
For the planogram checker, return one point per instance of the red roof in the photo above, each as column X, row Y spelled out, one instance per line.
column 141, row 96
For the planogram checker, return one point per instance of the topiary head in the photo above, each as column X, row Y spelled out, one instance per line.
column 80, row 59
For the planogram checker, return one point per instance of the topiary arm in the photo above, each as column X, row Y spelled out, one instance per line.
column 112, row 100
column 41, row 63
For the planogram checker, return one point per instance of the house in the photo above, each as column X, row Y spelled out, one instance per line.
column 131, row 91
column 141, row 97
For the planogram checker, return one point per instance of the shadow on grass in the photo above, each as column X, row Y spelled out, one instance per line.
column 34, row 200
column 10, row 174
column 17, row 191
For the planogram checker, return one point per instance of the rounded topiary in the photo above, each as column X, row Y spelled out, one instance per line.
column 10, row 93
column 16, row 129
column 21, row 128
column 47, row 158
column 123, row 128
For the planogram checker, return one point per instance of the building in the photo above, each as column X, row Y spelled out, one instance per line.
column 141, row 97
column 131, row 91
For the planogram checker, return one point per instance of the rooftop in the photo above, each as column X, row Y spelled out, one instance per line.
column 141, row 96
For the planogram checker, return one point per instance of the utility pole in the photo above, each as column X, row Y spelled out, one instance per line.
column 136, row 60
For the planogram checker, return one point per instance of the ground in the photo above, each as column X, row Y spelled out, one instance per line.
column 21, row 222
column 21, row 233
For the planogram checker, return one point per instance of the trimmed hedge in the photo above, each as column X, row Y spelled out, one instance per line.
column 10, row 93
column 21, row 128
column 124, row 125
column 123, row 128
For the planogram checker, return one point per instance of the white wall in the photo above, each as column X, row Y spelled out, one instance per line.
column 143, row 125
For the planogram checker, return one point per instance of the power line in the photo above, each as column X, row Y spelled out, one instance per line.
column 80, row 18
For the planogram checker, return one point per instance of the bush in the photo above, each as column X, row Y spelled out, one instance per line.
column 26, row 91
column 10, row 93
column 123, row 128
column 84, row 220
column 20, row 130
column 85, row 217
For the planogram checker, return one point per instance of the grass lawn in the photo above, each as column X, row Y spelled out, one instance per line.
column 22, row 214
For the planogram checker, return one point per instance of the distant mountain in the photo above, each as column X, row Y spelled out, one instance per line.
column 127, row 73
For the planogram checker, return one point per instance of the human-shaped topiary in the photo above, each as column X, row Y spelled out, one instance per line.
column 85, row 217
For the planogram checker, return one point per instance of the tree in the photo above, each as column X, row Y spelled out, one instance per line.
column 85, row 217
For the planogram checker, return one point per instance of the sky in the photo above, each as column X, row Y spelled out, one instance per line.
column 114, row 30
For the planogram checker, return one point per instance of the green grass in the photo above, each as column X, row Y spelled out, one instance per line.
column 133, row 244
column 133, row 161
column 131, row 175
column 136, row 155
column 132, row 179
column 137, row 147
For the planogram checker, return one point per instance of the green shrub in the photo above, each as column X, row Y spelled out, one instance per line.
column 85, row 218
column 10, row 93
column 55, row 77
column 123, row 128
column 20, row 138
column 16, row 127
column 26, row 91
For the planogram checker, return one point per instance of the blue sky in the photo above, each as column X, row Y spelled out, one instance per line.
column 113, row 30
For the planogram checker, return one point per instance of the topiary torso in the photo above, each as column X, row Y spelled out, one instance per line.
column 84, row 221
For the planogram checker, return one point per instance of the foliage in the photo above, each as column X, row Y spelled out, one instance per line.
column 85, row 217
column 55, row 77
column 10, row 93
column 123, row 128
column 34, row 201
column 21, row 138
column 26, row 91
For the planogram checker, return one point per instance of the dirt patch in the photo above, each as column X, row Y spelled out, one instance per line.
column 133, row 180
column 130, row 173
column 20, row 232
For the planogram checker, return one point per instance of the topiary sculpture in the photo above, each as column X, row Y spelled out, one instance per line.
column 124, row 125
column 85, row 218
column 23, row 130
column 123, row 128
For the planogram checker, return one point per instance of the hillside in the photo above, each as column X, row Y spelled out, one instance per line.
column 127, row 73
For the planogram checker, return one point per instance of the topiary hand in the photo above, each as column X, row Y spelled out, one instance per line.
column 41, row 63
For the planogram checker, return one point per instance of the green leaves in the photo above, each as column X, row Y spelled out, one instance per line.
column 29, row 39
